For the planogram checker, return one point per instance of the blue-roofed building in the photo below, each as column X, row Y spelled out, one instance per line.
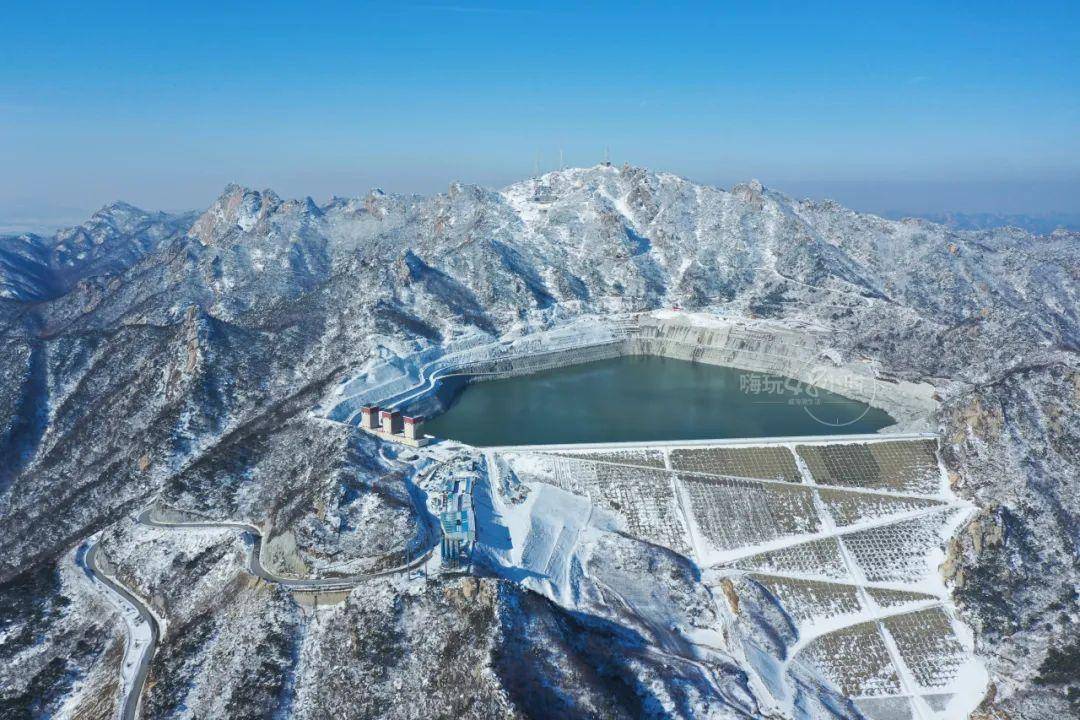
column 457, row 520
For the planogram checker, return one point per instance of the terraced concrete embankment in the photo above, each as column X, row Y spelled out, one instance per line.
column 755, row 346
column 767, row 347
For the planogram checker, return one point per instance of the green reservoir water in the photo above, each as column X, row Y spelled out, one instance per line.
column 640, row 398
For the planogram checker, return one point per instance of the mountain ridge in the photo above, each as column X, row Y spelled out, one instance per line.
column 36, row 268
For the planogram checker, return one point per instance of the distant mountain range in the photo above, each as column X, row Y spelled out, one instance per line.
column 35, row 267
column 1042, row 224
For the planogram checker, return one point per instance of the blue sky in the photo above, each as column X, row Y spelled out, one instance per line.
column 914, row 107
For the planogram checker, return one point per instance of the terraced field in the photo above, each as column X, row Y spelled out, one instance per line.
column 894, row 466
column 849, row 509
column 647, row 458
column 846, row 536
column 926, row 643
column 821, row 558
column 771, row 463
column 645, row 498
column 872, row 673
column 730, row 513
column 810, row 601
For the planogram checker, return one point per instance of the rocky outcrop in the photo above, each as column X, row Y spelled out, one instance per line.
column 1014, row 445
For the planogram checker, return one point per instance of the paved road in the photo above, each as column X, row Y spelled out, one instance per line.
column 86, row 557
column 866, row 437
column 256, row 568
column 431, row 533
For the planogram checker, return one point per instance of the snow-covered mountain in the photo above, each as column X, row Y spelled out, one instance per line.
column 147, row 354
column 113, row 239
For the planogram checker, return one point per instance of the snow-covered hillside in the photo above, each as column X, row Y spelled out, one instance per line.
column 143, row 354
column 113, row 239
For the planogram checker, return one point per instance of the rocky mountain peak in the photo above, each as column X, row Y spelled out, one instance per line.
column 120, row 214
column 750, row 193
column 111, row 240
column 237, row 210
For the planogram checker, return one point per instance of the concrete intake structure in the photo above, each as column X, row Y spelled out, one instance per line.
column 391, row 422
column 392, row 425
column 369, row 417
column 412, row 427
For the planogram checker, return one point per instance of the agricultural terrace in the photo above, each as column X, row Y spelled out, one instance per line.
column 847, row 536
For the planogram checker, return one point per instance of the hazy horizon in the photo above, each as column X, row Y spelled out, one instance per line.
column 856, row 196
column 920, row 109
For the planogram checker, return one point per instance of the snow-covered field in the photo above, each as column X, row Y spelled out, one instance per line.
column 846, row 538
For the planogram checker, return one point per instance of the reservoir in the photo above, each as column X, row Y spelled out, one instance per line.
column 643, row 398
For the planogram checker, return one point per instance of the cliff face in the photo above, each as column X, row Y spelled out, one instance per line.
column 181, row 356
column 1015, row 443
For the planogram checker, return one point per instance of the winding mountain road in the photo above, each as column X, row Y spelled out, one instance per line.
column 256, row 568
column 86, row 558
